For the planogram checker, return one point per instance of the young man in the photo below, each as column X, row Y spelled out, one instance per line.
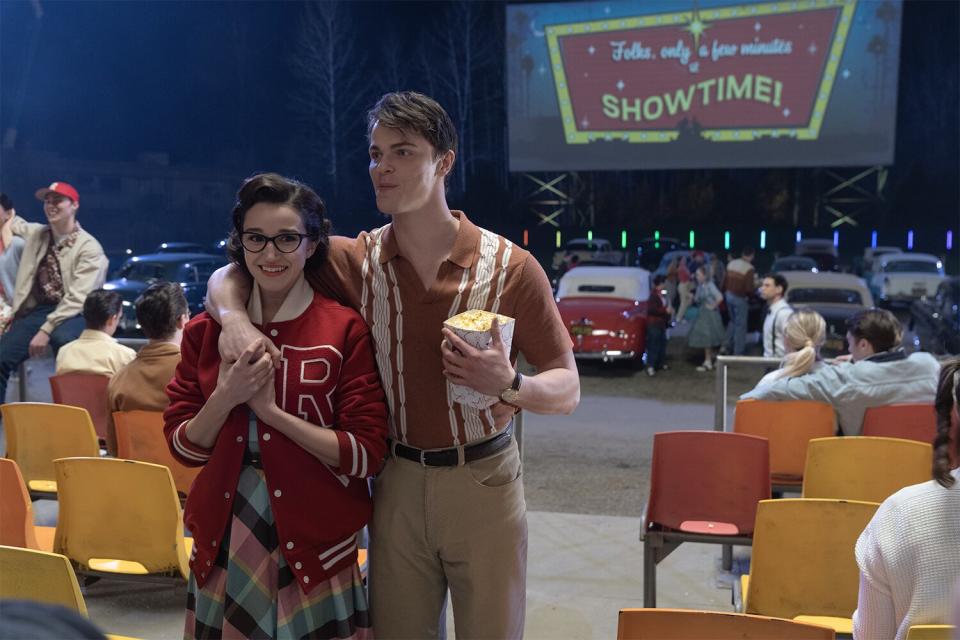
column 658, row 315
column 96, row 351
column 772, row 290
column 879, row 373
column 449, row 510
column 11, row 248
column 162, row 313
column 738, row 283
column 61, row 263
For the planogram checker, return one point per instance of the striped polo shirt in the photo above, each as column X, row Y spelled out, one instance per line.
column 483, row 271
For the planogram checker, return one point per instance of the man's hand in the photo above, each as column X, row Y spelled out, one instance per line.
column 38, row 344
column 238, row 334
column 485, row 370
column 238, row 382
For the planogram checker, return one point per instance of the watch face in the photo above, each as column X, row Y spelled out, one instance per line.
column 510, row 396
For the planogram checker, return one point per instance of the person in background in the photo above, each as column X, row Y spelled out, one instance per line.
column 670, row 285
column 11, row 248
column 879, row 373
column 909, row 554
column 717, row 271
column 162, row 314
column 773, row 289
column 96, row 350
column 738, row 283
column 658, row 316
column 804, row 333
column 61, row 263
column 706, row 332
column 685, row 287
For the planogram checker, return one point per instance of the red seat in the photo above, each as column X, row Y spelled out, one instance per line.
column 704, row 487
column 88, row 391
column 914, row 421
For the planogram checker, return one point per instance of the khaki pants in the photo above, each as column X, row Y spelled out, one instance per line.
column 462, row 528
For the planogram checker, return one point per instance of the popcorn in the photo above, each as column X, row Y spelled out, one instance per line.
column 473, row 327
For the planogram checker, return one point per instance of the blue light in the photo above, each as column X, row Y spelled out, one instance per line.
column 873, row 240
column 799, row 235
column 949, row 240
column 910, row 240
column 763, row 239
column 836, row 238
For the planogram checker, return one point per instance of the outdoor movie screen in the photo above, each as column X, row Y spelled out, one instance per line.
column 671, row 84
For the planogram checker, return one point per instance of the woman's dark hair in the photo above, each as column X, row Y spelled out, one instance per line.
column 946, row 449
column 276, row 189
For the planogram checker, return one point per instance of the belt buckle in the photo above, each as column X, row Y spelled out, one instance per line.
column 423, row 458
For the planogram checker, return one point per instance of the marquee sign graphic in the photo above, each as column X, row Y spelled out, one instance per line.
column 725, row 74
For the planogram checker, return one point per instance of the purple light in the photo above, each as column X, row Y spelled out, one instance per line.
column 799, row 235
column 873, row 240
column 910, row 240
column 836, row 238
column 949, row 240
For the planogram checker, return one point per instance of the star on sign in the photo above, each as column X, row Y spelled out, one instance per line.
column 756, row 26
column 786, row 113
column 591, row 49
column 697, row 27
column 845, row 74
column 585, row 123
column 812, row 48
column 606, row 10
column 542, row 70
column 620, row 85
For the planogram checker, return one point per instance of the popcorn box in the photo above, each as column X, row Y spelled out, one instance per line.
column 473, row 327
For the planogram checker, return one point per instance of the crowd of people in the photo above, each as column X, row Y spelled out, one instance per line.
column 320, row 370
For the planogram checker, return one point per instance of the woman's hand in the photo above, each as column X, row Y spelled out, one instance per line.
column 264, row 402
column 238, row 382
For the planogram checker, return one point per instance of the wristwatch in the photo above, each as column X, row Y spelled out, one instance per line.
column 511, row 394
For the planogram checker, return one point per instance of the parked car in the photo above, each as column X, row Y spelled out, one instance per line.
column 935, row 321
column 835, row 296
column 598, row 249
column 191, row 270
column 650, row 251
column 822, row 250
column 605, row 311
column 794, row 263
column 872, row 254
column 902, row 278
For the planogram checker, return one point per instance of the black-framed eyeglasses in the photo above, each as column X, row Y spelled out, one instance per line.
column 284, row 242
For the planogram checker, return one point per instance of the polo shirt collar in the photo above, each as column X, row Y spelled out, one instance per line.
column 95, row 334
column 464, row 246
column 158, row 350
column 298, row 299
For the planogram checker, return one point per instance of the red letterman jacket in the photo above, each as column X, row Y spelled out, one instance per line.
column 328, row 377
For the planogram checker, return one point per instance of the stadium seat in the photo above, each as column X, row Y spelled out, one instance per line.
column 683, row 624
column 16, row 512
column 864, row 468
column 907, row 421
column 120, row 517
column 931, row 632
column 40, row 576
column 802, row 566
column 140, row 437
column 86, row 390
column 788, row 425
column 704, row 487
column 38, row 433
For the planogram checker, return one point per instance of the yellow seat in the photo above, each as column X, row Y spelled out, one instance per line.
column 931, row 632
column 16, row 512
column 864, row 468
column 682, row 624
column 120, row 517
column 803, row 560
column 38, row 433
column 139, row 436
column 27, row 574
column 789, row 425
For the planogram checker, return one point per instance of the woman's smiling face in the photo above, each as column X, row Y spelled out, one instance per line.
column 272, row 269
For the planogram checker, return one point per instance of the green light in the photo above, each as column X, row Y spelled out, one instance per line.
column 693, row 237
column 656, row 235
column 559, row 242
column 623, row 239
column 726, row 241
column 590, row 235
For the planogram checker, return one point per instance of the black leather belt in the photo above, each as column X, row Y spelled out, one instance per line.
column 451, row 457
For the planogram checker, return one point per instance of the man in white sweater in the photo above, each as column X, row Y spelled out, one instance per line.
column 879, row 373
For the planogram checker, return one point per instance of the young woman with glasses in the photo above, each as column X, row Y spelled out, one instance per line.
column 286, row 451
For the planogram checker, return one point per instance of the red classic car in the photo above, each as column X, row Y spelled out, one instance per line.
column 605, row 310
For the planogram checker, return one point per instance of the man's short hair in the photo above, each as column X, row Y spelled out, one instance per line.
column 778, row 281
column 879, row 327
column 6, row 202
column 414, row 112
column 100, row 306
column 747, row 252
column 158, row 309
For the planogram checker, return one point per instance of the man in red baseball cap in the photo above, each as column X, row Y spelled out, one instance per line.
column 61, row 263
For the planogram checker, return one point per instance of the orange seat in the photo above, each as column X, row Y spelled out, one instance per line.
column 789, row 425
column 85, row 390
column 16, row 512
column 704, row 487
column 682, row 624
column 140, row 437
column 908, row 421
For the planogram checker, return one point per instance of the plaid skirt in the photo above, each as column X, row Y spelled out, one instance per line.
column 252, row 593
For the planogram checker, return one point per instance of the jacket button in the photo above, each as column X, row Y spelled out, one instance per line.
column 203, row 575
column 298, row 565
column 289, row 545
column 208, row 563
column 266, row 436
column 226, row 494
column 214, row 543
column 274, row 332
column 277, row 493
column 306, row 579
column 239, row 438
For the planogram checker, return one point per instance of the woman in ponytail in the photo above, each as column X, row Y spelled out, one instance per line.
column 909, row 554
column 803, row 334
